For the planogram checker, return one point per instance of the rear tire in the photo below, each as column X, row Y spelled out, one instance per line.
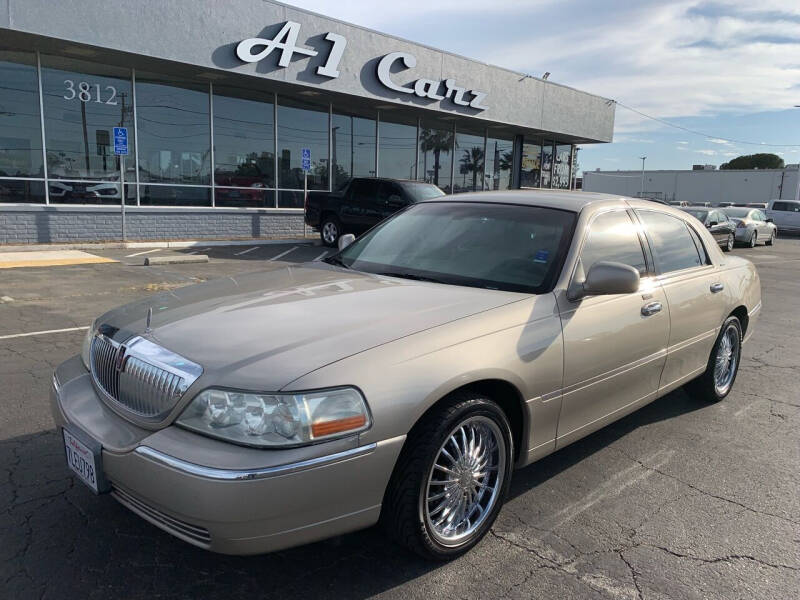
column 477, row 465
column 723, row 365
column 330, row 230
column 729, row 243
column 771, row 239
column 753, row 240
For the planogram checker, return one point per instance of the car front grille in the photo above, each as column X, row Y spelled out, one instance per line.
column 140, row 376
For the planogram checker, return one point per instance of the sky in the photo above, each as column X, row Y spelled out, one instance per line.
column 727, row 69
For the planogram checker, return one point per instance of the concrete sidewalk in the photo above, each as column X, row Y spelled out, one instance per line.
column 307, row 241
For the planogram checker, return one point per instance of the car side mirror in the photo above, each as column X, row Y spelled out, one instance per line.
column 770, row 220
column 346, row 240
column 605, row 278
column 713, row 224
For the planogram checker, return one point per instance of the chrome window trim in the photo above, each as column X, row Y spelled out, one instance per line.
column 250, row 474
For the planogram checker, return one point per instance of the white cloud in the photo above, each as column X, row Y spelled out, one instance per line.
column 683, row 143
column 718, row 141
column 706, row 152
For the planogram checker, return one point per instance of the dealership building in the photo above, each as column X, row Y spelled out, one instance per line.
column 233, row 108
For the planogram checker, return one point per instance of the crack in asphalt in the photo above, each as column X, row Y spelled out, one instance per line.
column 723, row 559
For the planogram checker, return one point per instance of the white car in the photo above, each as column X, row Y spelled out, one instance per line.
column 752, row 226
column 785, row 214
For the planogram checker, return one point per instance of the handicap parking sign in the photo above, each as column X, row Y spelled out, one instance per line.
column 121, row 140
column 306, row 162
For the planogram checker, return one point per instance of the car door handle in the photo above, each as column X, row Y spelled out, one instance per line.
column 717, row 287
column 651, row 309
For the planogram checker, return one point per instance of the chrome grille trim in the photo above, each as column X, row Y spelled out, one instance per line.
column 139, row 376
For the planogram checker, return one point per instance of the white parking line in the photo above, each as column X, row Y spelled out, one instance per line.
column 140, row 253
column 19, row 335
column 245, row 251
column 321, row 256
column 284, row 253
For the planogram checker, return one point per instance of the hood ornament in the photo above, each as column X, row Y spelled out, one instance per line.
column 147, row 328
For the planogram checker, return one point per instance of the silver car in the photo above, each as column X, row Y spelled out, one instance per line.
column 402, row 380
column 752, row 226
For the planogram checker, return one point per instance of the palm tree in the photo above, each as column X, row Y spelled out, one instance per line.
column 472, row 162
column 436, row 141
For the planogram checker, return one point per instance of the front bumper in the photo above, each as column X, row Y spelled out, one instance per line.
column 223, row 497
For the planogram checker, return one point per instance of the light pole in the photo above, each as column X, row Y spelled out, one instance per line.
column 797, row 189
column 641, row 193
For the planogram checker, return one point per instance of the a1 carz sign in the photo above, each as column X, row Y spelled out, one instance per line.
column 285, row 41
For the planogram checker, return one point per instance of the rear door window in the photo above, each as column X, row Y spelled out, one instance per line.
column 364, row 191
column 673, row 246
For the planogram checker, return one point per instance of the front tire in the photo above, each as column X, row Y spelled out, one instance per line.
column 771, row 239
column 451, row 478
column 753, row 240
column 330, row 230
column 723, row 364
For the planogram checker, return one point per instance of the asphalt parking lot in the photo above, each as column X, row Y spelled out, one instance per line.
column 678, row 500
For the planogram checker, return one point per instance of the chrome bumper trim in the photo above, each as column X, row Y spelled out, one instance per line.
column 249, row 474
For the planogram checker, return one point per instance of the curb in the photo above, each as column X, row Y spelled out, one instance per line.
column 173, row 244
column 175, row 260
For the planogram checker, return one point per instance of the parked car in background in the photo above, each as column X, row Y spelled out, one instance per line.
column 785, row 214
column 761, row 205
column 717, row 223
column 362, row 203
column 724, row 204
column 403, row 379
column 678, row 203
column 752, row 226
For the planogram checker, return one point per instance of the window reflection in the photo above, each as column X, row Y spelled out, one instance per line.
column 174, row 130
column 20, row 131
column 244, row 139
column 353, row 144
column 436, row 153
column 174, row 195
column 63, row 191
column 244, row 197
column 531, row 165
column 397, row 152
column 83, row 102
column 499, row 162
column 302, row 125
column 21, row 190
column 470, row 158
column 561, row 167
column 547, row 164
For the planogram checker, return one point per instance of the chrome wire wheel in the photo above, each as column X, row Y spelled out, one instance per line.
column 731, row 241
column 330, row 232
column 464, row 481
column 727, row 360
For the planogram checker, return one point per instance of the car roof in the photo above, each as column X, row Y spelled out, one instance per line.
column 561, row 199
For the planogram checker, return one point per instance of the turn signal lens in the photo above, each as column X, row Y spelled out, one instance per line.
column 275, row 420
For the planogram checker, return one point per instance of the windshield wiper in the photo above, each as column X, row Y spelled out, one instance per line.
column 413, row 276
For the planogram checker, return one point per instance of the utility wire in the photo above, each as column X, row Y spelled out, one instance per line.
column 700, row 133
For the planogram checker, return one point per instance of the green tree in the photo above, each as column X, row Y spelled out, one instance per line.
column 472, row 162
column 436, row 141
column 754, row 161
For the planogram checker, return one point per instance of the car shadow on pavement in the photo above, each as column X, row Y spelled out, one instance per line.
column 60, row 540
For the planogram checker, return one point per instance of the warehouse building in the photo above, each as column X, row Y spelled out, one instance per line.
column 221, row 100
column 699, row 185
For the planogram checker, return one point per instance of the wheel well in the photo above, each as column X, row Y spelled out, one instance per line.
column 740, row 312
column 328, row 213
column 506, row 395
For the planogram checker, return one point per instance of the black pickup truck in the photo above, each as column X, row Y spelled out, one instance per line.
column 361, row 203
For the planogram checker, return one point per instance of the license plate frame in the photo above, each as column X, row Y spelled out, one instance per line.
column 85, row 459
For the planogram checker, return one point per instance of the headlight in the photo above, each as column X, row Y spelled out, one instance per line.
column 86, row 350
column 277, row 420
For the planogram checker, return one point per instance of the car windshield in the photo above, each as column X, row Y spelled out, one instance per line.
column 697, row 213
column 496, row 246
column 739, row 213
column 422, row 191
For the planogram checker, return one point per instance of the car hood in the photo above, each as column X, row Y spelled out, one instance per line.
column 263, row 330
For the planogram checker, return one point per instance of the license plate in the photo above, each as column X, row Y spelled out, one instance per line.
column 83, row 461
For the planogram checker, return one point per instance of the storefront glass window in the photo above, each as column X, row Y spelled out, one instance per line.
column 353, row 143
column 561, row 166
column 83, row 102
column 469, row 161
column 302, row 125
column 22, row 190
column 244, row 140
column 20, row 125
column 174, row 130
column 531, row 165
column 499, row 162
column 436, row 153
column 547, row 164
column 397, row 152
column 174, row 195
